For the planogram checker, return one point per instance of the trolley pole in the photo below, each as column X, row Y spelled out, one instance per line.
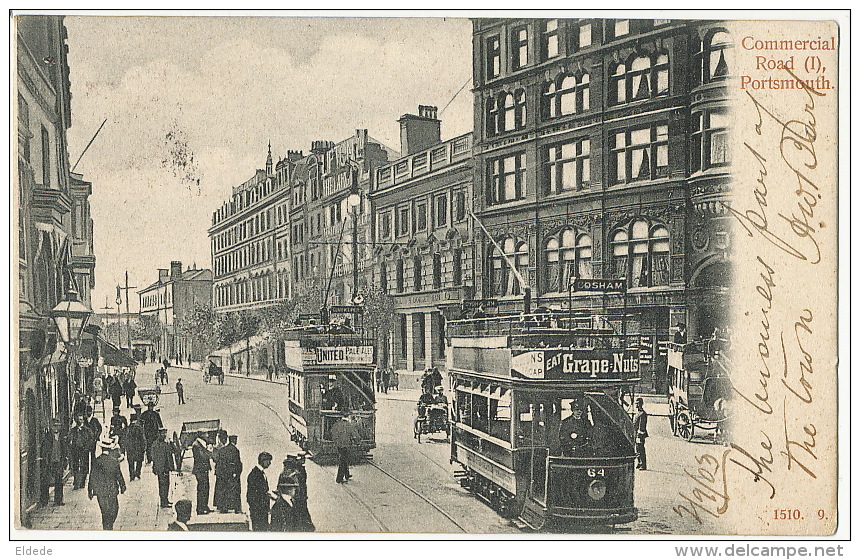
column 127, row 313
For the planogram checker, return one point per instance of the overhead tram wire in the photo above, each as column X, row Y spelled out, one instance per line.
column 455, row 96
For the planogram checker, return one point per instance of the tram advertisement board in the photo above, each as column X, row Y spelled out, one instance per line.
column 338, row 355
column 576, row 364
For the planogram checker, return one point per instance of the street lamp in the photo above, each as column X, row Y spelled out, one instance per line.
column 71, row 316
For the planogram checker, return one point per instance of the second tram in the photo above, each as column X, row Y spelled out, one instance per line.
column 330, row 374
column 541, row 426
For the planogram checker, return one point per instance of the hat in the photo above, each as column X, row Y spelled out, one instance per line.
column 162, row 430
column 107, row 443
column 287, row 484
column 233, row 439
column 681, row 325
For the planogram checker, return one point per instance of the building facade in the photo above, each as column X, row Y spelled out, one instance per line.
column 54, row 245
column 323, row 225
column 171, row 299
column 601, row 152
column 423, row 239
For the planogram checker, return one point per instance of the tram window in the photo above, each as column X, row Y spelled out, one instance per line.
column 531, row 424
column 604, row 429
column 500, row 416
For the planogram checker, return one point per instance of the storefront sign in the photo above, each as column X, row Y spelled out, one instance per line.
column 448, row 294
column 599, row 285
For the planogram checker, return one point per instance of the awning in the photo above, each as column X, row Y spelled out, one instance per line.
column 113, row 356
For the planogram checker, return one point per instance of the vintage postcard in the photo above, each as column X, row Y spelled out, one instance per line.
column 512, row 274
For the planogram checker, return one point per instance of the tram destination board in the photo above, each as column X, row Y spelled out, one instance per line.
column 576, row 364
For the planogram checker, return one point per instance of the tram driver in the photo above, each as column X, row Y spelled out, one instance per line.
column 575, row 431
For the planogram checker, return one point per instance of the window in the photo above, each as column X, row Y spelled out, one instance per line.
column 582, row 36
column 46, row 158
column 568, row 256
column 567, row 166
column 502, row 281
column 506, row 179
column 566, row 95
column 403, row 334
column 494, row 57
column 620, row 28
column 716, row 56
column 643, row 78
column 459, row 206
column 640, row 254
column 399, row 277
column 549, row 39
column 457, row 266
column 402, row 220
column 437, row 270
column 440, row 213
column 709, row 141
column 383, row 277
column 639, row 154
column 384, row 226
column 420, row 223
column 24, row 125
column 520, row 47
column 417, row 273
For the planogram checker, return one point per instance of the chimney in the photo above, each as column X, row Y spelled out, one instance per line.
column 163, row 274
column 175, row 270
column 419, row 132
column 321, row 146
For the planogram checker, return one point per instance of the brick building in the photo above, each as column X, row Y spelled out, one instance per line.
column 601, row 151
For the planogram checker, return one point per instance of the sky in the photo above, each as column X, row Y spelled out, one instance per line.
column 219, row 89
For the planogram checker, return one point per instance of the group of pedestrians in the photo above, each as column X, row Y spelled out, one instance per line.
column 387, row 378
column 286, row 507
column 119, row 385
column 228, row 469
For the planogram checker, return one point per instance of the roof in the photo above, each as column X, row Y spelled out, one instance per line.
column 191, row 275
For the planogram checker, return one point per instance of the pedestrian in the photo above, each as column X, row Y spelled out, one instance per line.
column 106, row 483
column 183, row 516
column 640, row 425
column 158, row 376
column 681, row 334
column 259, row 496
column 80, row 442
column 133, row 443
column 386, row 380
column 166, row 364
column 116, row 392
column 54, row 453
column 201, row 453
column 118, row 425
column 285, row 514
column 220, row 492
column 344, row 435
column 162, row 464
column 151, row 423
column 93, row 424
column 152, row 356
column 180, row 391
column 179, row 358
column 129, row 387
column 294, row 467
column 234, row 480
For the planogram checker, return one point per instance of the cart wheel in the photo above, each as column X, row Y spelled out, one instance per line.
column 685, row 426
column 672, row 420
column 416, row 430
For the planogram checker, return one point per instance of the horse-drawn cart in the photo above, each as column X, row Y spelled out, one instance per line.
column 148, row 396
column 206, row 429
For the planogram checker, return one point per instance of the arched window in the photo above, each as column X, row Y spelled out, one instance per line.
column 716, row 56
column 617, row 84
column 567, row 95
column 508, row 113
column 640, row 253
column 502, row 281
column 568, row 256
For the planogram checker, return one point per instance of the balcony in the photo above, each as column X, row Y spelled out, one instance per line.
column 438, row 157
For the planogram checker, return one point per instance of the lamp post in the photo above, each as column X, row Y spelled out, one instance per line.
column 71, row 316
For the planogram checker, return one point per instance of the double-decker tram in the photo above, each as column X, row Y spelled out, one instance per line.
column 330, row 373
column 541, row 426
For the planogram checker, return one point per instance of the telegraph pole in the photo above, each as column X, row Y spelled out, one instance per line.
column 107, row 318
column 127, row 320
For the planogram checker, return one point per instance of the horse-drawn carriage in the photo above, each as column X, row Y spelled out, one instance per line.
column 206, row 429
column 699, row 388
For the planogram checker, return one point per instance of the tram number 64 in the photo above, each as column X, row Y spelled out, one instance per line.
column 596, row 472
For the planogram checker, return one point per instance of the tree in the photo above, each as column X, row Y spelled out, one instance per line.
column 200, row 325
